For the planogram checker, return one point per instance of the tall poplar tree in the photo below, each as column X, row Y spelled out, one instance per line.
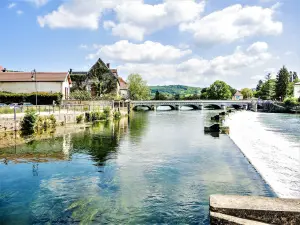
column 282, row 83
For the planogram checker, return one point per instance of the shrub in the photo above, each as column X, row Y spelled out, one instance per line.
column 107, row 112
column 79, row 118
column 28, row 123
column 290, row 102
column 52, row 120
column 88, row 117
column 81, row 95
column 117, row 115
column 44, row 98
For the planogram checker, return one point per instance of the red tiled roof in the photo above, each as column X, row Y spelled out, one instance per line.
column 123, row 84
column 26, row 76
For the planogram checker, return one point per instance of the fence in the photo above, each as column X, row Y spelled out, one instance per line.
column 67, row 108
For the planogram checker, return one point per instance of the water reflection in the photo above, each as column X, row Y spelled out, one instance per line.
column 157, row 169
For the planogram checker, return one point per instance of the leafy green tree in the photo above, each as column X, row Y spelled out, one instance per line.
column 247, row 93
column 232, row 90
column 282, row 83
column 138, row 87
column 267, row 91
column 156, row 95
column 219, row 90
column 176, row 96
column 259, row 85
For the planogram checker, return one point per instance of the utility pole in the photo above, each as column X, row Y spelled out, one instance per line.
column 33, row 78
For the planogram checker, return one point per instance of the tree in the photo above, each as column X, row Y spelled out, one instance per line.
column 267, row 91
column 219, row 90
column 282, row 83
column 295, row 77
column 268, row 77
column 259, row 85
column 247, row 93
column 138, row 87
column 156, row 95
column 232, row 90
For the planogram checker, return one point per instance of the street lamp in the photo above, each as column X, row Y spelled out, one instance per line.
column 33, row 78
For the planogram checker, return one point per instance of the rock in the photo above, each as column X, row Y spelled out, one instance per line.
column 216, row 118
column 222, row 114
column 213, row 128
column 224, row 130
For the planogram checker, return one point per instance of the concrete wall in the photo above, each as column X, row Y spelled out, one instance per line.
column 230, row 209
column 29, row 87
column 297, row 91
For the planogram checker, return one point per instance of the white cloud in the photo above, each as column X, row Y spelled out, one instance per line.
column 11, row 5
column 136, row 19
column 233, row 23
column 148, row 51
column 19, row 12
column 197, row 71
column 258, row 77
column 38, row 3
column 77, row 14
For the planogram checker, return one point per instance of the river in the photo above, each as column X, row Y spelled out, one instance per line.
column 157, row 168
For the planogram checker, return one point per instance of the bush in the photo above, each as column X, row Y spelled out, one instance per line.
column 107, row 112
column 28, row 123
column 44, row 98
column 81, row 95
column 52, row 120
column 290, row 102
column 88, row 117
column 45, row 122
column 117, row 115
column 79, row 118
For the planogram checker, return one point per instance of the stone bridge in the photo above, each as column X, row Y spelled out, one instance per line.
column 195, row 104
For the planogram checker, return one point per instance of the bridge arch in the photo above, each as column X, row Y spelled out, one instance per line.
column 194, row 107
column 135, row 108
column 214, row 106
column 237, row 106
column 172, row 107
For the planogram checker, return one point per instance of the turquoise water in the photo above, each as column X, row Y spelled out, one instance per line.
column 157, row 168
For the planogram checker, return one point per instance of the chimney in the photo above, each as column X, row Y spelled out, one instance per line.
column 108, row 65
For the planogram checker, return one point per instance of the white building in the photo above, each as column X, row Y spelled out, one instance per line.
column 297, row 90
column 25, row 82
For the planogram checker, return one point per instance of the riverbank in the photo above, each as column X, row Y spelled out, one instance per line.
column 275, row 157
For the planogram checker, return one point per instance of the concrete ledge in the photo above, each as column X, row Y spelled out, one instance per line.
column 219, row 218
column 259, row 209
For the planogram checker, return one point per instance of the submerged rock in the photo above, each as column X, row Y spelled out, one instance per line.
column 213, row 128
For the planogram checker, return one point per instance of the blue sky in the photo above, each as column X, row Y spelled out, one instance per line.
column 167, row 42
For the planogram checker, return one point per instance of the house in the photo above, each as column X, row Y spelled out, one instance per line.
column 124, row 92
column 237, row 96
column 24, row 82
column 100, row 79
column 297, row 90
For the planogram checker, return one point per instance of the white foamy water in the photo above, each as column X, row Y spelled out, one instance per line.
column 274, row 156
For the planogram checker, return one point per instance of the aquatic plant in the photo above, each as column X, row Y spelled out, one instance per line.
column 79, row 118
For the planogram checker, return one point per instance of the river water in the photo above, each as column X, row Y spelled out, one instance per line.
column 156, row 168
column 272, row 143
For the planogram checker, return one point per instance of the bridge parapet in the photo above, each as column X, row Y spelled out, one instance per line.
column 195, row 104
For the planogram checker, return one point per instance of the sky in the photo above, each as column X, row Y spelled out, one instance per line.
column 189, row 42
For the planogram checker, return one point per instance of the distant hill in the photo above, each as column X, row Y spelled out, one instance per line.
column 175, row 89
